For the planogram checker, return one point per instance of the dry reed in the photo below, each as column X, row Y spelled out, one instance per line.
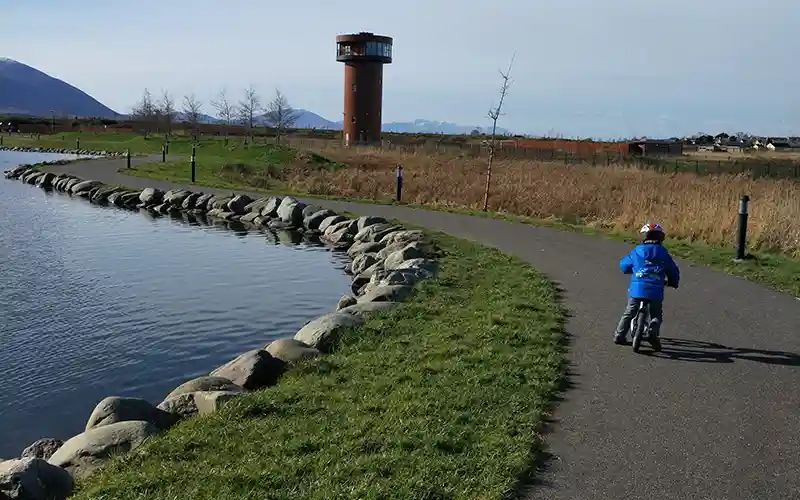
column 689, row 206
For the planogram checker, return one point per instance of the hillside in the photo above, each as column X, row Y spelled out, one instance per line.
column 27, row 91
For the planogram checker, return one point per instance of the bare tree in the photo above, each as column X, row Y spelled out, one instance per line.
column 191, row 111
column 167, row 110
column 226, row 110
column 494, row 114
column 249, row 107
column 144, row 111
column 280, row 115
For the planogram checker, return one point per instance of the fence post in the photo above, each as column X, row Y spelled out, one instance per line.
column 193, row 161
column 399, row 182
column 1, row 140
column 128, row 157
column 164, row 153
column 741, row 235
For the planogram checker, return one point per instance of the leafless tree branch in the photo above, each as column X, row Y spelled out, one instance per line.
column 145, row 111
column 226, row 111
column 167, row 106
column 494, row 114
column 249, row 107
column 280, row 115
column 192, row 109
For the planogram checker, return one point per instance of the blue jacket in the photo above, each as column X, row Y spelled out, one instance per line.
column 650, row 264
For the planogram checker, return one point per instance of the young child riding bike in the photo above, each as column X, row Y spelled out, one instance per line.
column 652, row 268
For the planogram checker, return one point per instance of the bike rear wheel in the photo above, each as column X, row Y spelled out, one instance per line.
column 639, row 326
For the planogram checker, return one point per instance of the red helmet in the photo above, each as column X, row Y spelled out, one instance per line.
column 652, row 231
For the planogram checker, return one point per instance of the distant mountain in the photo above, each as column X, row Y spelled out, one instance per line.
column 308, row 119
column 27, row 91
column 421, row 126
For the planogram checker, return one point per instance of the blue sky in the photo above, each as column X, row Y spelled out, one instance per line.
column 590, row 68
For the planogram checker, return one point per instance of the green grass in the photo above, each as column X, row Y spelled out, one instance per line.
column 772, row 269
column 440, row 399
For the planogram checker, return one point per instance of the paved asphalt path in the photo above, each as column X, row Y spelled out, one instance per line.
column 716, row 415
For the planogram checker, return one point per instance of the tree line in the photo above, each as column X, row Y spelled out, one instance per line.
column 161, row 114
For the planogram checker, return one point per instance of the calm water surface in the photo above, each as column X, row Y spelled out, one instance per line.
column 98, row 302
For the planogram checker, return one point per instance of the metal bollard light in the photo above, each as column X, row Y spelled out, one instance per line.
column 128, row 157
column 741, row 235
column 193, row 162
column 399, row 182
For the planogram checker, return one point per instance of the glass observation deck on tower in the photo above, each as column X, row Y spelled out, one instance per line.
column 351, row 48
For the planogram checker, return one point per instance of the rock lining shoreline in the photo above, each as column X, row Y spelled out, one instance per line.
column 61, row 151
column 387, row 261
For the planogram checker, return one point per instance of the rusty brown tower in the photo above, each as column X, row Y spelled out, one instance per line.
column 364, row 55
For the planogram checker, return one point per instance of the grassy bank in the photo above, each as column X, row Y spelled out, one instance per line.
column 440, row 399
column 699, row 212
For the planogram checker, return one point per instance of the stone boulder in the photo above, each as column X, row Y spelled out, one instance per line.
column 324, row 331
column 209, row 383
column 329, row 221
column 428, row 266
column 239, row 204
column 43, row 448
column 118, row 409
column 190, row 202
column 313, row 221
column 387, row 293
column 404, row 236
column 201, row 203
column 46, row 180
column 408, row 277
column 365, row 247
column 252, row 370
column 151, row 196
column 257, row 205
column 177, row 197
column 413, row 250
column 310, row 210
column 220, row 202
column 70, row 184
column 341, row 239
column 362, row 262
column 34, row 479
column 191, row 404
column 271, row 207
column 369, row 307
column 346, row 301
column 290, row 211
column 84, row 186
column 102, row 194
column 362, row 279
column 116, row 198
column 349, row 225
column 292, row 351
column 85, row 452
column 250, row 217
column 130, row 199
column 369, row 220
column 375, row 232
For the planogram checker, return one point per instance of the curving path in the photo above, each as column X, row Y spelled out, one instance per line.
column 716, row 415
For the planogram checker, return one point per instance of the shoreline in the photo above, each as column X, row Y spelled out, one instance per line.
column 62, row 151
column 387, row 261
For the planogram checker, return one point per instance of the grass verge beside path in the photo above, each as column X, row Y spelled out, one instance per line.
column 440, row 399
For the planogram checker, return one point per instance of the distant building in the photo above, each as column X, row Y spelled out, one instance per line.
column 653, row 147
